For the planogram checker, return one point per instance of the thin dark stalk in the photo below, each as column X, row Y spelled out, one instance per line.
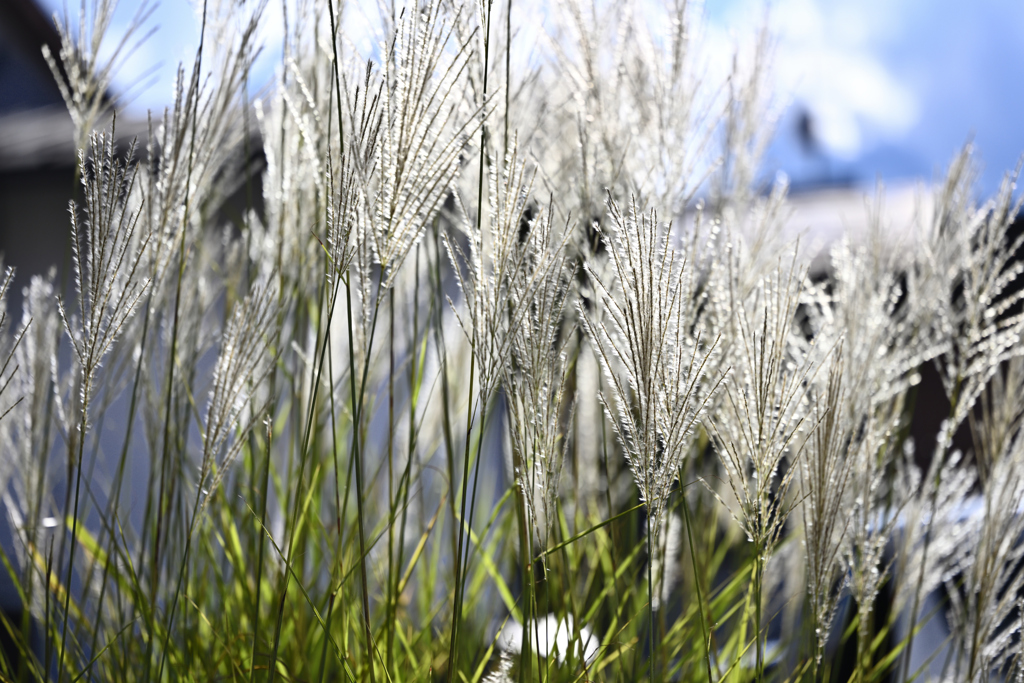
column 759, row 645
column 476, row 481
column 358, row 465
column 406, row 477
column 171, row 364
column 459, row 578
column 182, row 579
column 414, row 389
column 116, row 495
column 525, row 559
column 651, row 624
column 457, row 602
column 508, row 70
column 303, row 457
column 193, row 99
column 392, row 603
column 335, row 89
column 323, row 652
column 696, row 583
column 439, row 344
column 86, row 390
column 933, row 506
column 264, row 495
column 47, row 611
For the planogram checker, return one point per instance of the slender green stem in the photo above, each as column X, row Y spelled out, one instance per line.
column 182, row 580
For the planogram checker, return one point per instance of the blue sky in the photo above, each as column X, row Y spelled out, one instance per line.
column 893, row 88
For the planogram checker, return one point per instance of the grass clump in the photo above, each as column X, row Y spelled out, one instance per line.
column 437, row 405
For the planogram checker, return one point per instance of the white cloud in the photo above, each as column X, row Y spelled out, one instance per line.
column 825, row 58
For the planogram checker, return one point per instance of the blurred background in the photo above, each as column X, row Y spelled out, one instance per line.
column 891, row 89
column 872, row 89
column 863, row 91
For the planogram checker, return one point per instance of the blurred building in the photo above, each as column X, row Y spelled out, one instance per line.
column 37, row 148
column 37, row 155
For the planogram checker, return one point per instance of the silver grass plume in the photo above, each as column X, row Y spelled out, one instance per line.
column 741, row 253
column 421, row 139
column 27, row 433
column 8, row 362
column 875, row 501
column 631, row 95
column 501, row 275
column 982, row 612
column 503, row 672
column 887, row 332
column 320, row 145
column 934, row 517
column 535, row 379
column 244, row 362
column 967, row 273
column 747, row 127
column 966, row 270
column 11, row 385
column 1001, row 418
column 885, row 323
column 758, row 429
column 108, row 279
column 107, row 252
column 654, row 368
column 193, row 148
column 824, row 475
column 347, row 182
